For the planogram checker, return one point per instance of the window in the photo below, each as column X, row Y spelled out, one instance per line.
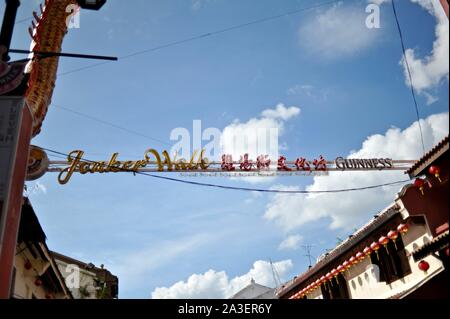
column 391, row 261
column 336, row 288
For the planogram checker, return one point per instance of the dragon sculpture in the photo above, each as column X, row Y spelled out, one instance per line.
column 47, row 34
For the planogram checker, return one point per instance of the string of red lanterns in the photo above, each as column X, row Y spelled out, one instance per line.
column 392, row 235
column 38, row 281
column 419, row 183
column 435, row 170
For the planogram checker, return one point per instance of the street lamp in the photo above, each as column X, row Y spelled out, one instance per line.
column 91, row 4
column 8, row 26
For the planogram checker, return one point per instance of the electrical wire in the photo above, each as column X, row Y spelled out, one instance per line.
column 413, row 93
column 204, row 35
column 261, row 190
column 110, row 124
column 24, row 20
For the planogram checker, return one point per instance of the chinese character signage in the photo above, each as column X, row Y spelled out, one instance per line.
column 262, row 165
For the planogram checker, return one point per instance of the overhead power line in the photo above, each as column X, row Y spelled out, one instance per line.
column 96, row 119
column 413, row 93
column 24, row 20
column 243, row 188
column 204, row 35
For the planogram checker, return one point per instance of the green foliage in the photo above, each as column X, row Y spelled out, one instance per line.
column 84, row 293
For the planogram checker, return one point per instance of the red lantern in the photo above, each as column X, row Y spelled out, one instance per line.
column 384, row 241
column 28, row 265
column 435, row 170
column 353, row 260
column 323, row 279
column 340, row 268
column 360, row 256
column 334, row 273
column 367, row 251
column 393, row 235
column 329, row 276
column 419, row 183
column 402, row 228
column 375, row 246
column 38, row 282
column 424, row 266
column 346, row 264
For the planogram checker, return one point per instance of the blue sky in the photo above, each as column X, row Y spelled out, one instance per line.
column 346, row 80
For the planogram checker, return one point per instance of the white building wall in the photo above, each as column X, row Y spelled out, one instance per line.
column 84, row 280
column 363, row 278
column 24, row 280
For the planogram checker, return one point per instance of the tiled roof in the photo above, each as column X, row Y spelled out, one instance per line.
column 439, row 242
column 423, row 162
column 342, row 248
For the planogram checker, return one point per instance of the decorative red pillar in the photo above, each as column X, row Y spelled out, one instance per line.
column 444, row 4
column 16, row 123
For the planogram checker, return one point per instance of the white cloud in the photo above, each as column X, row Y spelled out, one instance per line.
column 428, row 72
column 41, row 187
column 37, row 188
column 281, row 112
column 430, row 98
column 144, row 261
column 216, row 284
column 300, row 88
column 426, row 4
column 317, row 95
column 345, row 210
column 291, row 242
column 378, row 2
column 254, row 196
column 339, row 31
column 198, row 4
column 271, row 120
column 257, row 136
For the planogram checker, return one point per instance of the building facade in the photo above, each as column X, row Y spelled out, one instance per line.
column 85, row 280
column 401, row 253
column 36, row 275
column 43, row 274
